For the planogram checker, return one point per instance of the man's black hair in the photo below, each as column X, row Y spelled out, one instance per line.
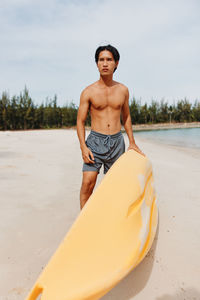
column 110, row 48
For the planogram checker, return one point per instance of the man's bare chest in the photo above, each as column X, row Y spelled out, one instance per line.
column 103, row 100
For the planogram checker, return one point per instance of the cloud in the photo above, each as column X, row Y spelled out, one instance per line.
column 50, row 45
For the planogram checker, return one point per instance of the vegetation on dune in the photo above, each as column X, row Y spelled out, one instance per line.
column 20, row 112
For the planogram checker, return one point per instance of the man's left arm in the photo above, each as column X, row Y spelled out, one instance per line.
column 128, row 125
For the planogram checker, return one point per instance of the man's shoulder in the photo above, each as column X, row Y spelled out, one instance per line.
column 121, row 86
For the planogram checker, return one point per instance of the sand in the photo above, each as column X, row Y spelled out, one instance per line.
column 40, row 177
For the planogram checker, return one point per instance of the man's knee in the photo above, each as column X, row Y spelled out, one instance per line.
column 88, row 183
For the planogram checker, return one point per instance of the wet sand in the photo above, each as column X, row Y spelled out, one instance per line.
column 40, row 177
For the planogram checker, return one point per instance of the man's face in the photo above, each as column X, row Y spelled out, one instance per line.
column 106, row 63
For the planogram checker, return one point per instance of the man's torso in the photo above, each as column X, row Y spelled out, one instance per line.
column 105, row 107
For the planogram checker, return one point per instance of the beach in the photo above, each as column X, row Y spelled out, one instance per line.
column 40, row 175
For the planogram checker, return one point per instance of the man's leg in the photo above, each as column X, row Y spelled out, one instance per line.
column 88, row 183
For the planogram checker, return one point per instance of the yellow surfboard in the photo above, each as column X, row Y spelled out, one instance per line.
column 111, row 235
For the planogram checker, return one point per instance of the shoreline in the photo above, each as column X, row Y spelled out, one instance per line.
column 165, row 126
column 188, row 150
column 136, row 127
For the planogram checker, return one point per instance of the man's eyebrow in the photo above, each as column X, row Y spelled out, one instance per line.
column 108, row 58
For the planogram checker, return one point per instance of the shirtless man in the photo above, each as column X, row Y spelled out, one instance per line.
column 106, row 100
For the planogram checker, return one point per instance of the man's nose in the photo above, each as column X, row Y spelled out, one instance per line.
column 105, row 63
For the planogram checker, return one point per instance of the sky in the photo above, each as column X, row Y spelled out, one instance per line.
column 49, row 46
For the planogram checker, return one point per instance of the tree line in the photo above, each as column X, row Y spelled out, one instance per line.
column 20, row 112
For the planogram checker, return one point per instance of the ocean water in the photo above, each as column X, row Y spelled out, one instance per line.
column 184, row 137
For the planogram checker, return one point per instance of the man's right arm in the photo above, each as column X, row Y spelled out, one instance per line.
column 81, row 117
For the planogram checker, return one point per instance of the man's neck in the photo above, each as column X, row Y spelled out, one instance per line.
column 106, row 80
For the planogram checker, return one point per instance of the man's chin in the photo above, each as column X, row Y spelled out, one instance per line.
column 106, row 73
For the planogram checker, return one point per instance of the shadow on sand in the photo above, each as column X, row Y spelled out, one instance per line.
column 184, row 294
column 136, row 280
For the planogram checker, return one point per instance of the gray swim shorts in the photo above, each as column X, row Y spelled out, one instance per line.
column 105, row 148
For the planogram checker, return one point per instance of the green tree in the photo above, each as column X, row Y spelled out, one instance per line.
column 69, row 114
column 163, row 112
column 183, row 111
column 134, row 111
column 4, row 103
column 153, row 111
column 26, row 108
column 196, row 111
column 144, row 114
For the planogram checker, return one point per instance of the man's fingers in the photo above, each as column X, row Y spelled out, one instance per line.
column 142, row 153
column 88, row 156
column 92, row 156
column 137, row 150
column 90, row 160
column 87, row 159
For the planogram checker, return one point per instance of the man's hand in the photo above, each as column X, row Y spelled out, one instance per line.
column 87, row 155
column 136, row 148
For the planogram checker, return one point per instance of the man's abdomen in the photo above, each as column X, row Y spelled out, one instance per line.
column 106, row 121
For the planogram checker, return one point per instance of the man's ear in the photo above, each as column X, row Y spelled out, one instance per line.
column 116, row 64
